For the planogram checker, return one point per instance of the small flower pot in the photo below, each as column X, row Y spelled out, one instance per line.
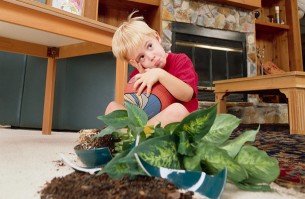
column 93, row 157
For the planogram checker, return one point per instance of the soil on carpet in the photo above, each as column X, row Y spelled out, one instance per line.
column 82, row 185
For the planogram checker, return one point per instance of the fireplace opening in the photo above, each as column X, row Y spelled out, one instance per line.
column 216, row 55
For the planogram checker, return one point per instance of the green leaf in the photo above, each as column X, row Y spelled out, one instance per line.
column 121, row 166
column 192, row 163
column 222, row 128
column 260, row 167
column 184, row 147
column 134, row 130
column 234, row 146
column 106, row 131
column 197, row 124
column 117, row 119
column 171, row 127
column 159, row 151
column 214, row 159
column 159, row 131
column 137, row 116
column 253, row 187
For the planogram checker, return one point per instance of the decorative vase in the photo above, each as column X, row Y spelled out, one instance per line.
column 93, row 157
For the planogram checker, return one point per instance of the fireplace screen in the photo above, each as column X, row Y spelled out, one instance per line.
column 216, row 55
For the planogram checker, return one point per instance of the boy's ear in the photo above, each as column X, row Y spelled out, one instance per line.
column 157, row 36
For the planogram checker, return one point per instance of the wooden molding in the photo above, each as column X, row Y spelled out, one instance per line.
column 22, row 47
column 247, row 4
column 85, row 48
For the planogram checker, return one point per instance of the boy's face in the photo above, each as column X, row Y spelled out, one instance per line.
column 150, row 54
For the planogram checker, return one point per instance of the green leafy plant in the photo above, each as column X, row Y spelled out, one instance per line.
column 200, row 142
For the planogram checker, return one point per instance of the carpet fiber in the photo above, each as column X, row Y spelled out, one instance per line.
column 289, row 149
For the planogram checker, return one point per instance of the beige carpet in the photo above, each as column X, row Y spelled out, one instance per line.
column 29, row 159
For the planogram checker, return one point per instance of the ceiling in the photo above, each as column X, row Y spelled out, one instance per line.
column 13, row 31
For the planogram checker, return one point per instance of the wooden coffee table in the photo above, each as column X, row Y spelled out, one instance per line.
column 291, row 84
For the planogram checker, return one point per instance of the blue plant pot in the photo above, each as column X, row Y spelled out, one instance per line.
column 93, row 157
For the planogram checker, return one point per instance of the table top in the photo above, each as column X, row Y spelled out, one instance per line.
column 37, row 23
column 293, row 79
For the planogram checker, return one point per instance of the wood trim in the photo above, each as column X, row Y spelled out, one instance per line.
column 293, row 79
column 22, row 47
column 268, row 26
column 156, row 23
column 121, row 80
column 148, row 2
column 49, row 97
column 85, row 48
column 294, row 36
column 91, row 9
column 49, row 2
column 247, row 4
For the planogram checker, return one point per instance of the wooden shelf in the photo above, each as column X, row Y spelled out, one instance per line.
column 281, row 42
column 148, row 2
column 247, row 4
column 270, row 27
column 114, row 12
column 269, row 3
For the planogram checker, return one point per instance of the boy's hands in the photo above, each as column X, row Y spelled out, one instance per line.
column 146, row 80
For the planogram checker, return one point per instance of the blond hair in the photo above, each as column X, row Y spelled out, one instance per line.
column 129, row 36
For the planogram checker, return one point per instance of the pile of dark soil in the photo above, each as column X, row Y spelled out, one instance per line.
column 82, row 185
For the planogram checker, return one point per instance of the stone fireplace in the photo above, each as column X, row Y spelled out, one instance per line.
column 216, row 55
column 210, row 16
column 228, row 19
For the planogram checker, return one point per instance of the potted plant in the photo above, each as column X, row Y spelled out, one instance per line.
column 200, row 142
column 94, row 151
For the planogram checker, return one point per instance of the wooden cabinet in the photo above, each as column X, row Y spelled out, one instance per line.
column 280, row 43
column 114, row 12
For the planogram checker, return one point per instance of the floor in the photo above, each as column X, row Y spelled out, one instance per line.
column 30, row 159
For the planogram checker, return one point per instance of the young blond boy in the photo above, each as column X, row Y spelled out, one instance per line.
column 135, row 42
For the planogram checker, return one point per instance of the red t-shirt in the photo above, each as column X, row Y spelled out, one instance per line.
column 181, row 67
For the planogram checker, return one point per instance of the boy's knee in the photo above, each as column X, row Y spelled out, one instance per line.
column 178, row 110
column 113, row 106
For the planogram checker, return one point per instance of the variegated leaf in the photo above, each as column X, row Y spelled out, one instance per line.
column 198, row 123
column 117, row 119
column 137, row 116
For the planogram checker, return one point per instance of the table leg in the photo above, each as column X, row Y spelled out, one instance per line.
column 220, row 99
column 296, row 109
column 49, row 97
column 121, row 80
